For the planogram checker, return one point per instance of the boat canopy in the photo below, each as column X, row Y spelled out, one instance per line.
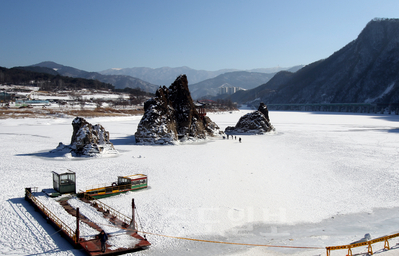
column 123, row 180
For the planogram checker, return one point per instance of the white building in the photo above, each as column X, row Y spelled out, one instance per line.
column 228, row 90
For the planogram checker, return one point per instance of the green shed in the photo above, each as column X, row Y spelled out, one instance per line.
column 64, row 182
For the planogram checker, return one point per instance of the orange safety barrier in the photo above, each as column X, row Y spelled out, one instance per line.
column 366, row 243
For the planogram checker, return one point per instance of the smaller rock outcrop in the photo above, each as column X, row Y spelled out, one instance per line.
column 171, row 116
column 257, row 122
column 87, row 140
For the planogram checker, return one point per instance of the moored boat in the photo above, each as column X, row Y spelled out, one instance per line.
column 123, row 185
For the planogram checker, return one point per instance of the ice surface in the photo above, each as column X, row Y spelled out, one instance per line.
column 321, row 179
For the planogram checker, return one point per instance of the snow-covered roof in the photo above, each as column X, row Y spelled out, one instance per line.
column 60, row 172
column 199, row 104
column 134, row 176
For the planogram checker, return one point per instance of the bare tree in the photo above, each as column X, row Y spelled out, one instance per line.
column 99, row 102
column 1, row 77
column 82, row 103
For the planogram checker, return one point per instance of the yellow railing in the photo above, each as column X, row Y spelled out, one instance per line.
column 366, row 243
column 104, row 185
column 60, row 224
column 109, row 189
column 96, row 187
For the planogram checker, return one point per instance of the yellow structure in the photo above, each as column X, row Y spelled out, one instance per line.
column 367, row 243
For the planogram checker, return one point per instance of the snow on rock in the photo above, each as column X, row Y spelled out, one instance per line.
column 257, row 122
column 87, row 140
column 172, row 117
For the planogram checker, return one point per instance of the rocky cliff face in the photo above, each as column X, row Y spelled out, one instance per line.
column 88, row 140
column 257, row 122
column 364, row 71
column 172, row 116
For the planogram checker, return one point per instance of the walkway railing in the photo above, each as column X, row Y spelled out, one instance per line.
column 109, row 209
column 60, row 224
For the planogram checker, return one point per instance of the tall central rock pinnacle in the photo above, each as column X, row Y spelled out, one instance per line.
column 172, row 116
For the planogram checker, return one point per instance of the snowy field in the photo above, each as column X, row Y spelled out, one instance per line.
column 321, row 179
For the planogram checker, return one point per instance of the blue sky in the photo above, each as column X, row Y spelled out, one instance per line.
column 209, row 35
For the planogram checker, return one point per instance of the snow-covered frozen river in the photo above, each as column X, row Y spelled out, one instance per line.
column 321, row 179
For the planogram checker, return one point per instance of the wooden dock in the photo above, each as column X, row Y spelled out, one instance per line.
column 93, row 246
column 90, row 246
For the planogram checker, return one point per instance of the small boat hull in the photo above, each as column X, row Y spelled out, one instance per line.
column 113, row 191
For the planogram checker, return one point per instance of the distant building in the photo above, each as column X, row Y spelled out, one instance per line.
column 223, row 90
column 32, row 103
column 5, row 97
column 228, row 90
column 232, row 90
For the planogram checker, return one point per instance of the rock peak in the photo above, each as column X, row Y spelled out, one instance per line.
column 172, row 116
column 257, row 122
column 87, row 140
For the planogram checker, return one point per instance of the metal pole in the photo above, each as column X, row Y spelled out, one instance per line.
column 132, row 225
column 77, row 225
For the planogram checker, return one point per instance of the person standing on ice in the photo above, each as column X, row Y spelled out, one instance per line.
column 103, row 238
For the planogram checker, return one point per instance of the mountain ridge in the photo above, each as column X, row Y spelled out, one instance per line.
column 364, row 70
column 118, row 77
column 120, row 82
column 164, row 75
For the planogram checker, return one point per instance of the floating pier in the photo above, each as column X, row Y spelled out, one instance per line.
column 90, row 246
